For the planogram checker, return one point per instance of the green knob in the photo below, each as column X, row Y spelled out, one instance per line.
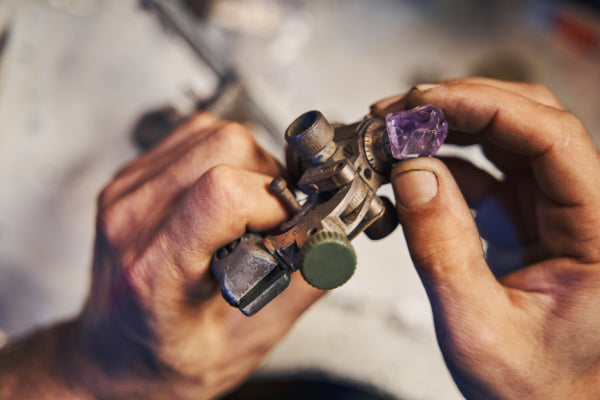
column 327, row 260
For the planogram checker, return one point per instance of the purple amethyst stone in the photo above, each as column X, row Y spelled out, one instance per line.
column 418, row 132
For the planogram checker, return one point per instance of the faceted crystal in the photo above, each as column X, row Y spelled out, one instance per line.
column 418, row 132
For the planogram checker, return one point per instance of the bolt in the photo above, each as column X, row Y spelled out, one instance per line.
column 279, row 187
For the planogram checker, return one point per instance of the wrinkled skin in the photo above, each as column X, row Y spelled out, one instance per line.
column 530, row 332
column 155, row 324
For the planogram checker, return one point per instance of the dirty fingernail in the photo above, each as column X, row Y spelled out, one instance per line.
column 426, row 86
column 415, row 188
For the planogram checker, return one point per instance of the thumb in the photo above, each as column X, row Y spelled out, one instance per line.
column 442, row 236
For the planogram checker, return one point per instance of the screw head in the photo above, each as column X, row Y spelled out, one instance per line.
column 327, row 260
column 309, row 134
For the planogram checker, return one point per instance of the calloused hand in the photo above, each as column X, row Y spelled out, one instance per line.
column 159, row 222
column 530, row 330
column 155, row 324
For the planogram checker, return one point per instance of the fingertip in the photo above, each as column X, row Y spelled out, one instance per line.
column 415, row 187
column 387, row 101
column 425, row 165
column 387, row 105
column 427, row 196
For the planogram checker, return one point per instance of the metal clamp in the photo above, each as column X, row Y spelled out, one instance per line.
column 339, row 170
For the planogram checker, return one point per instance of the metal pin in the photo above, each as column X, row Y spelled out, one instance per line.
column 279, row 187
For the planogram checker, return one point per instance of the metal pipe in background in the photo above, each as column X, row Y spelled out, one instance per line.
column 231, row 92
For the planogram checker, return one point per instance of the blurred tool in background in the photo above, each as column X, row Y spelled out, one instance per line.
column 77, row 75
column 230, row 101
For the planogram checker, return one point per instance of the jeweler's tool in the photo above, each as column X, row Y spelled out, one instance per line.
column 339, row 169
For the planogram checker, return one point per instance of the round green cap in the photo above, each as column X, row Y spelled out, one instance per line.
column 327, row 260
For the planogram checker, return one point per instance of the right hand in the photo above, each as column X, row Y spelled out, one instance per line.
column 530, row 331
column 156, row 325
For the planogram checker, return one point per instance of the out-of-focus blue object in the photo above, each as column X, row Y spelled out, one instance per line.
column 505, row 250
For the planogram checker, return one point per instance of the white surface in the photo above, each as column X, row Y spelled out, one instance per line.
column 71, row 89
column 73, row 82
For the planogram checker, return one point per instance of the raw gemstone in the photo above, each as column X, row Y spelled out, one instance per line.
column 418, row 132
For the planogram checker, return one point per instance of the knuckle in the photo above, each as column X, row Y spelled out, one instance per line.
column 193, row 126
column 570, row 122
column 217, row 178
column 539, row 88
column 570, row 131
column 114, row 218
column 545, row 94
column 220, row 187
column 108, row 222
column 103, row 198
column 221, row 179
column 112, row 192
column 234, row 137
column 106, row 196
column 200, row 118
column 130, row 168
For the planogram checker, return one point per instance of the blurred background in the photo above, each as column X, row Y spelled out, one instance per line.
column 86, row 85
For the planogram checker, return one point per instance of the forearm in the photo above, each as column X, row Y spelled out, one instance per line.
column 37, row 365
column 58, row 363
column 63, row 361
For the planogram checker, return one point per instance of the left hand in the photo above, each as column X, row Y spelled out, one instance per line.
column 529, row 329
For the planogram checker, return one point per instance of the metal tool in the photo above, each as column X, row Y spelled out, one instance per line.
column 338, row 169
column 231, row 93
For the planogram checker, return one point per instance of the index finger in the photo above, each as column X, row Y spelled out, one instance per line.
column 562, row 155
column 221, row 206
column 534, row 91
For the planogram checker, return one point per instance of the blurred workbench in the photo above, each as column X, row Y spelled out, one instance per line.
column 76, row 74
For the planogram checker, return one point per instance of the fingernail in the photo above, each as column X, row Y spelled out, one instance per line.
column 385, row 103
column 426, row 86
column 415, row 188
